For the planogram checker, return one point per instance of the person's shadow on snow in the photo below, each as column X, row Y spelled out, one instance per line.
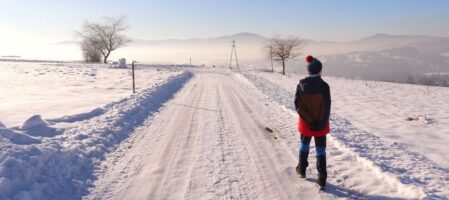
column 347, row 193
column 336, row 190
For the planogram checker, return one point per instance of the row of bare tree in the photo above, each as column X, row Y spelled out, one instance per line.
column 99, row 39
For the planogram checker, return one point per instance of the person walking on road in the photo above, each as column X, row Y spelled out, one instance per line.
column 313, row 104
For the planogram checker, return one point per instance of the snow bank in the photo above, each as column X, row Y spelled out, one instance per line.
column 60, row 166
column 36, row 126
column 16, row 137
column 80, row 117
column 33, row 122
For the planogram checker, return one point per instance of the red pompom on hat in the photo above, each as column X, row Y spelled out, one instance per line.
column 309, row 58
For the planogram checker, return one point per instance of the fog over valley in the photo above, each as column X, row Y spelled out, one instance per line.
column 398, row 58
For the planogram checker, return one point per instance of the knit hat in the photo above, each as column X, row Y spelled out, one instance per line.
column 314, row 66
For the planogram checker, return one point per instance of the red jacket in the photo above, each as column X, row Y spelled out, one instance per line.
column 304, row 129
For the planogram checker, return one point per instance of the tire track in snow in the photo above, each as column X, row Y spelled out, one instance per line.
column 140, row 156
column 165, row 173
column 221, row 172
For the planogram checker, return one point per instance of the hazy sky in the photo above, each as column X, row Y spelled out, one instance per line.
column 341, row 20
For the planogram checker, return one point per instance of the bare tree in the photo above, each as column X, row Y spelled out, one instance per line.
column 90, row 51
column 283, row 49
column 103, row 37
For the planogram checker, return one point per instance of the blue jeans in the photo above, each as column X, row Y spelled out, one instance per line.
column 320, row 145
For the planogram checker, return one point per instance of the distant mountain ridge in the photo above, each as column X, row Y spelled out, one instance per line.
column 243, row 36
column 384, row 36
column 247, row 37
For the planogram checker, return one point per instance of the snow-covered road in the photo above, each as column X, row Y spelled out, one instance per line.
column 211, row 142
column 208, row 143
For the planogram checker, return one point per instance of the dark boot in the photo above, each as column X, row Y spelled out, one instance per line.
column 322, row 171
column 301, row 171
column 303, row 163
column 321, row 181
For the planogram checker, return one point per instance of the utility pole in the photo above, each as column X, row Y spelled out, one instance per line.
column 190, row 60
column 134, row 83
column 271, row 56
column 234, row 51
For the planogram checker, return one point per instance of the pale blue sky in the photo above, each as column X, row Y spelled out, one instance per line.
column 340, row 20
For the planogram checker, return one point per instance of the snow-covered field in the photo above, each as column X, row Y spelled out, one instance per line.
column 56, row 89
column 211, row 134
